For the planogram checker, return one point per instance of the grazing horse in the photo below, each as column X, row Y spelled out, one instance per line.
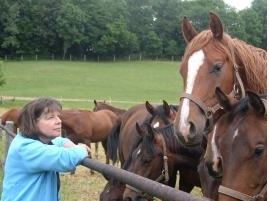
column 158, row 157
column 129, row 138
column 11, row 115
column 213, row 59
column 237, row 149
column 83, row 126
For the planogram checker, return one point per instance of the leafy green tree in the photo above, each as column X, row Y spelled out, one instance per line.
column 153, row 44
column 9, row 31
column 2, row 78
column 70, row 25
column 118, row 40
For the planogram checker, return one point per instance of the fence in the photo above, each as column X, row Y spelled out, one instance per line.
column 96, row 58
column 146, row 185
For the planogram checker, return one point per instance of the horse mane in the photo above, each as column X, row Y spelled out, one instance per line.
column 253, row 60
column 241, row 108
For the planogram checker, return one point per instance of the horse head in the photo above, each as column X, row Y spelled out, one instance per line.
column 212, row 59
column 236, row 149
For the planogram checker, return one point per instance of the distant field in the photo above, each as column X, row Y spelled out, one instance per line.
column 116, row 81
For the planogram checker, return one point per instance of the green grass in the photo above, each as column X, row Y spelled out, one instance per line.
column 115, row 81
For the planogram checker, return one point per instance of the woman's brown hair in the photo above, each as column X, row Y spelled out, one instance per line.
column 32, row 111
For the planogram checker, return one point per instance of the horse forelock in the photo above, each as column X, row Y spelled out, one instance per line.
column 254, row 60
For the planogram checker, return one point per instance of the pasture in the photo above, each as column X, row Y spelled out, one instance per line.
column 117, row 81
column 125, row 83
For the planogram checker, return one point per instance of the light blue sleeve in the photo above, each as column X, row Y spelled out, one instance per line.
column 60, row 141
column 41, row 157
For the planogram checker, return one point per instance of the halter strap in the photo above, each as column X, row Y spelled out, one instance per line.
column 242, row 196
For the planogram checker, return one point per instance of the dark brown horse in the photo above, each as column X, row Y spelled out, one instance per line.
column 213, row 59
column 159, row 116
column 158, row 157
column 11, row 115
column 237, row 149
column 83, row 126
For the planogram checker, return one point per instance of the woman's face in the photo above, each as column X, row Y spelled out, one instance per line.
column 49, row 125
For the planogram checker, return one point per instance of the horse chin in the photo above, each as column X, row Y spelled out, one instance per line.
column 195, row 141
column 216, row 175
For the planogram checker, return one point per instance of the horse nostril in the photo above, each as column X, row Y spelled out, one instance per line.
column 192, row 130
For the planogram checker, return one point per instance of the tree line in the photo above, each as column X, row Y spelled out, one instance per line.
column 117, row 27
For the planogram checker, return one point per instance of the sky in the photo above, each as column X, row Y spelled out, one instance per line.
column 239, row 5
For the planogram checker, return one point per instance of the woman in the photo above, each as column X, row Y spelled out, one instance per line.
column 38, row 153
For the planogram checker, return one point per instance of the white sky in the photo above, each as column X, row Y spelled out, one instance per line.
column 239, row 4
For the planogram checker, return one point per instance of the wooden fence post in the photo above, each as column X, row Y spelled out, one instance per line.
column 9, row 138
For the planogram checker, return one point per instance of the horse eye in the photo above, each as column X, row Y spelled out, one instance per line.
column 145, row 161
column 259, row 149
column 217, row 67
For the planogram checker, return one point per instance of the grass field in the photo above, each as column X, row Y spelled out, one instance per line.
column 115, row 81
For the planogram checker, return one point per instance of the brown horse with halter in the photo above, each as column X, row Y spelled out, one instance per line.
column 158, row 157
column 128, row 139
column 237, row 149
column 213, row 59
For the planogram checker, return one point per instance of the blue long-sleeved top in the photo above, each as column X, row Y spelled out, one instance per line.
column 31, row 168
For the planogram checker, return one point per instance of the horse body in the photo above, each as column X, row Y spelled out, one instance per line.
column 11, row 115
column 213, row 59
column 82, row 126
column 237, row 149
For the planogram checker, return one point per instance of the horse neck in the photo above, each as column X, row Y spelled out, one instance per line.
column 252, row 63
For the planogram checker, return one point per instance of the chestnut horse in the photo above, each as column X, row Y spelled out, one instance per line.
column 11, row 115
column 83, row 126
column 237, row 149
column 98, row 105
column 213, row 59
column 158, row 157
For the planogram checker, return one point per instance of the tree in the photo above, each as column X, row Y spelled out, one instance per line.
column 70, row 25
column 118, row 40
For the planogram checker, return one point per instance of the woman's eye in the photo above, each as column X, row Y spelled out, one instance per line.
column 259, row 149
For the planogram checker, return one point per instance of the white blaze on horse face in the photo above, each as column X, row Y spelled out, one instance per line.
column 156, row 125
column 215, row 152
column 195, row 62
column 235, row 134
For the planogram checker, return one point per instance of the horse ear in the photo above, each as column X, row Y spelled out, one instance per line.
column 223, row 99
column 149, row 108
column 95, row 102
column 216, row 26
column 256, row 103
column 188, row 31
column 139, row 129
column 150, row 131
column 166, row 108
